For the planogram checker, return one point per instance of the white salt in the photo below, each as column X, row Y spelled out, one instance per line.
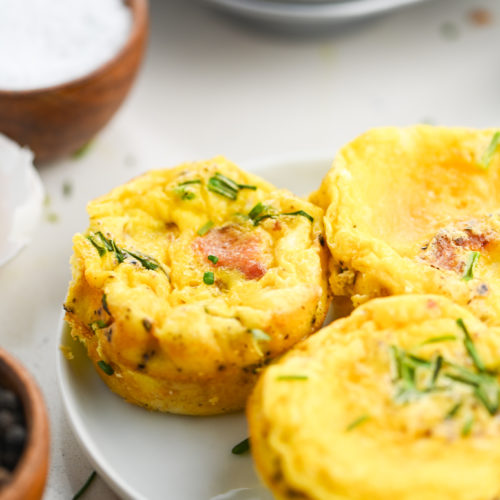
column 48, row 42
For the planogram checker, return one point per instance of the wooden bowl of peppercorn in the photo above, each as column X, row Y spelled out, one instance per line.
column 57, row 121
column 24, row 433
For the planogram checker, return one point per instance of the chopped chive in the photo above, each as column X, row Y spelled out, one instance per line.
column 488, row 393
column 100, row 250
column 437, row 368
column 357, row 422
column 183, row 193
column 300, row 212
column 97, row 325
column 104, row 302
column 87, row 483
column 213, row 259
column 470, row 347
column 418, row 360
column 442, row 338
column 145, row 260
column 186, row 183
column 292, row 377
column 119, row 253
column 241, row 447
column 467, row 427
column 205, row 228
column 208, row 278
column 82, row 150
column 107, row 369
column 463, row 379
column 453, row 410
column 256, row 210
column 397, row 361
column 472, row 260
column 247, row 186
column 487, row 156
column 259, row 334
column 107, row 243
column 223, row 186
column 257, row 220
column 67, row 189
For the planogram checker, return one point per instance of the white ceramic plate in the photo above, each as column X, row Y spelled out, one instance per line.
column 309, row 13
column 145, row 455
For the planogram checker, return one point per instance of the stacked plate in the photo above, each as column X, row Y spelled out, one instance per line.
column 310, row 12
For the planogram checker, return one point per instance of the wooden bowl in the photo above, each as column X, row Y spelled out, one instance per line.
column 56, row 121
column 30, row 474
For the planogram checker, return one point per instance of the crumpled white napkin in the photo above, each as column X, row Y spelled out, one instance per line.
column 21, row 198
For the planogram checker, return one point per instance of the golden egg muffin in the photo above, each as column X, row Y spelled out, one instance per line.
column 400, row 400
column 416, row 210
column 189, row 280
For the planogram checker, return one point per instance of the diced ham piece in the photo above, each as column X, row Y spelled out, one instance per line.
column 235, row 249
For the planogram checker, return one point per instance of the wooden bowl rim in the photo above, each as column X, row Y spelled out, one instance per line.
column 139, row 10
column 35, row 456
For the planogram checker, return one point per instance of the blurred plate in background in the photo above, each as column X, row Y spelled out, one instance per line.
column 310, row 12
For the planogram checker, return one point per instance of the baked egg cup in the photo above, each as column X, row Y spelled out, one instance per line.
column 189, row 280
column 400, row 400
column 416, row 210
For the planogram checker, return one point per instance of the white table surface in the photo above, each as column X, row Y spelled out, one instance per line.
column 211, row 85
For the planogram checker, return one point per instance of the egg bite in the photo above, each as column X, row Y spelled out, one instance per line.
column 400, row 400
column 189, row 280
column 416, row 210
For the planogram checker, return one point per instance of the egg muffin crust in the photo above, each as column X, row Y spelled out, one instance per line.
column 400, row 400
column 189, row 280
column 416, row 210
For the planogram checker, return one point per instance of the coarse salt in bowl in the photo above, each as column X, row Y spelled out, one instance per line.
column 72, row 70
column 48, row 43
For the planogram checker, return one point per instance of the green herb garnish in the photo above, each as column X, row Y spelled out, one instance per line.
column 487, row 156
column 107, row 369
column 472, row 260
column 442, row 338
column 121, row 254
column 469, row 346
column 257, row 210
column 292, row 377
column 260, row 212
column 357, row 422
column 241, row 447
column 107, row 243
column 82, row 490
column 467, row 428
column 82, row 151
column 208, row 278
column 213, row 259
column 97, row 325
column 205, row 228
column 187, row 183
column 67, row 189
column 183, row 192
column 453, row 410
column 225, row 186
column 300, row 212
column 145, row 260
column 100, row 250
column 438, row 364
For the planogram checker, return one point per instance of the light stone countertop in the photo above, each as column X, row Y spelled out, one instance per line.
column 212, row 85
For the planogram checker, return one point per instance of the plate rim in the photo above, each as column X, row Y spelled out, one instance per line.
column 318, row 12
